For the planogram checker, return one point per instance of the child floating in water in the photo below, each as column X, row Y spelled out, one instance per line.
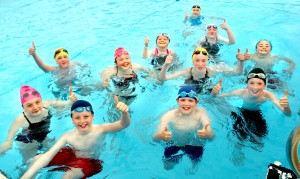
column 34, row 122
column 81, row 157
column 65, row 73
column 183, row 128
column 263, row 59
column 200, row 74
column 212, row 41
column 124, row 75
column 160, row 53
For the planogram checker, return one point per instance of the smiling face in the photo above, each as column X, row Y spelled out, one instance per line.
column 162, row 41
column 33, row 106
column 82, row 120
column 263, row 47
column 63, row 60
column 123, row 61
column 187, row 105
column 200, row 61
column 196, row 12
column 255, row 86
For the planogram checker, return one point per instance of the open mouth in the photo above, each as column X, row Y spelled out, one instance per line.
column 82, row 126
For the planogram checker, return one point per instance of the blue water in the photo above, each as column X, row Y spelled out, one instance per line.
column 91, row 30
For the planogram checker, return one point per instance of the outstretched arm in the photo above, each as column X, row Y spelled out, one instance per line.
column 39, row 61
column 45, row 159
column 229, row 33
column 145, row 51
column 282, row 104
column 7, row 144
column 120, row 124
column 73, row 97
column 163, row 133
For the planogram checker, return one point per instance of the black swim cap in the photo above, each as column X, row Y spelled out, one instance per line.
column 257, row 73
column 81, row 103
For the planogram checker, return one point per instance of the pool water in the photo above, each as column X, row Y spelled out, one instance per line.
column 92, row 30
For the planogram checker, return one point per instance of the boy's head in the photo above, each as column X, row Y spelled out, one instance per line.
column 257, row 73
column 196, row 10
column 61, row 57
column 187, row 92
column 27, row 93
column 80, row 106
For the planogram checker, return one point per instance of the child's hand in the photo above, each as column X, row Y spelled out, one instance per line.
column 204, row 133
column 247, row 56
column 165, row 134
column 105, row 83
column 72, row 96
column 217, row 88
column 169, row 59
column 146, row 40
column 239, row 55
column 121, row 106
column 31, row 51
column 187, row 15
column 284, row 102
column 224, row 25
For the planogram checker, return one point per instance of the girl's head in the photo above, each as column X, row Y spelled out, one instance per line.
column 61, row 57
column 162, row 40
column 263, row 47
column 196, row 9
column 122, row 58
column 200, row 58
column 212, row 31
column 31, row 100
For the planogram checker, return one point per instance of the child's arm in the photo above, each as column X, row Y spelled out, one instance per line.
column 73, row 97
column 186, row 17
column 206, row 132
column 145, row 51
column 229, row 33
column 14, row 128
column 120, row 124
column 218, row 87
column 163, row 133
column 45, row 159
column 289, row 61
column 282, row 104
column 106, row 75
column 39, row 61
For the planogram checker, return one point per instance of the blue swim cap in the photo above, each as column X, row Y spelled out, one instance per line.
column 187, row 91
column 81, row 103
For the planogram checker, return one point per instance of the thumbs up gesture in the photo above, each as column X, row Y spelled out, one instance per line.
column 169, row 59
column 205, row 132
column 165, row 134
column 284, row 102
column 31, row 50
column 72, row 96
column 120, row 105
column 247, row 56
column 242, row 57
column 146, row 41
column 217, row 87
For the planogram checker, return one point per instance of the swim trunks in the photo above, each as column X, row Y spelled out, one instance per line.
column 193, row 152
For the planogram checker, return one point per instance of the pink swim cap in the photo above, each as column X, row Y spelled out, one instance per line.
column 119, row 51
column 28, row 93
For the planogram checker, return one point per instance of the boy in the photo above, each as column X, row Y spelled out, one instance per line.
column 183, row 127
column 80, row 158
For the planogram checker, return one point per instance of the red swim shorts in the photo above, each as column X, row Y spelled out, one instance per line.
column 66, row 159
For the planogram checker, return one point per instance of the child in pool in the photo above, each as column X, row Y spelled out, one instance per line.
column 263, row 59
column 81, row 158
column 183, row 127
column 34, row 122
column 212, row 41
column 124, row 75
column 160, row 53
column 65, row 73
column 200, row 74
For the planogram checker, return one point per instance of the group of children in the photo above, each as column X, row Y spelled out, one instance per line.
column 77, row 151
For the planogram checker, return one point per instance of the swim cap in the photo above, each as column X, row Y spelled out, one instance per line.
column 60, row 51
column 257, row 73
column 81, row 103
column 187, row 91
column 119, row 51
column 199, row 50
column 164, row 34
column 28, row 93
column 261, row 41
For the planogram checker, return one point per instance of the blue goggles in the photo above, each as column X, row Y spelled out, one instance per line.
column 191, row 94
column 81, row 109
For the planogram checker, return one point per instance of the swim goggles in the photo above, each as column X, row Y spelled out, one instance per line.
column 203, row 52
column 35, row 93
column 259, row 75
column 81, row 109
column 164, row 34
column 191, row 94
column 120, row 52
column 60, row 50
column 196, row 6
column 212, row 26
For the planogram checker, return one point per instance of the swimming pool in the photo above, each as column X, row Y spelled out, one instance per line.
column 91, row 31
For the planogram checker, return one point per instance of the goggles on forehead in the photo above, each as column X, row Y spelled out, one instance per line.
column 203, row 52
column 259, row 75
column 190, row 94
column 81, row 109
column 35, row 93
column 196, row 6
column 120, row 52
column 164, row 34
column 212, row 26
column 60, row 50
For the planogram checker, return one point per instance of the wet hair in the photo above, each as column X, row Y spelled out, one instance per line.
column 263, row 40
